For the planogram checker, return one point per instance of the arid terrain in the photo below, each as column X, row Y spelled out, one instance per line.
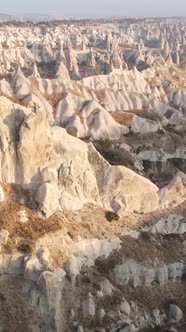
column 93, row 176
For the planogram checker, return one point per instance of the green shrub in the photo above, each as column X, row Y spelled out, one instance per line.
column 106, row 143
column 25, row 248
column 110, row 216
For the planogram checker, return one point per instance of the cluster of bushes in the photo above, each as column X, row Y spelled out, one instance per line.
column 110, row 216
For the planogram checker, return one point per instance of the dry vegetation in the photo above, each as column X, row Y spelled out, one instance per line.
column 54, row 98
column 123, row 118
column 88, row 223
column 31, row 230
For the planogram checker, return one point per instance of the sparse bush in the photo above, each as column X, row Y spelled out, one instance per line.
column 25, row 248
column 110, row 216
column 146, row 236
column 98, row 70
column 106, row 143
column 72, row 133
column 140, row 148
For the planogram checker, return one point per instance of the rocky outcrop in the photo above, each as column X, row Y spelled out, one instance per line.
column 174, row 193
column 34, row 146
column 53, row 170
column 131, row 273
column 91, row 185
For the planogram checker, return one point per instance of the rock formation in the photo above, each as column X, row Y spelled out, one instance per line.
column 92, row 176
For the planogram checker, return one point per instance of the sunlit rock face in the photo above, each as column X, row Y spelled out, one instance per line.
column 105, row 85
column 99, row 83
column 92, row 176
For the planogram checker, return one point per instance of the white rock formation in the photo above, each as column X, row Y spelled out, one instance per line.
column 174, row 193
column 175, row 314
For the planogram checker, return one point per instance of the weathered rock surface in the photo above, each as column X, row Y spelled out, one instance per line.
column 68, row 91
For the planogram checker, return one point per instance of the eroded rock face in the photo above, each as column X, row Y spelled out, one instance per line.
column 88, row 184
column 112, row 178
column 67, row 92
column 11, row 118
column 34, row 146
column 48, row 198
column 49, row 160
column 174, row 193
column 63, row 304
column 88, row 308
column 175, row 314
column 2, row 195
column 174, row 224
column 134, row 274
column 41, row 146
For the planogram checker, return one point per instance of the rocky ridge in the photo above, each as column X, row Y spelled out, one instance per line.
column 92, row 127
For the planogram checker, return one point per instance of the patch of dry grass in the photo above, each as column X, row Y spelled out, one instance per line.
column 124, row 118
column 34, row 228
column 54, row 98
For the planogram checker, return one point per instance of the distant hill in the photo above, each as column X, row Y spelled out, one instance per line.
column 26, row 17
column 34, row 17
column 6, row 17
